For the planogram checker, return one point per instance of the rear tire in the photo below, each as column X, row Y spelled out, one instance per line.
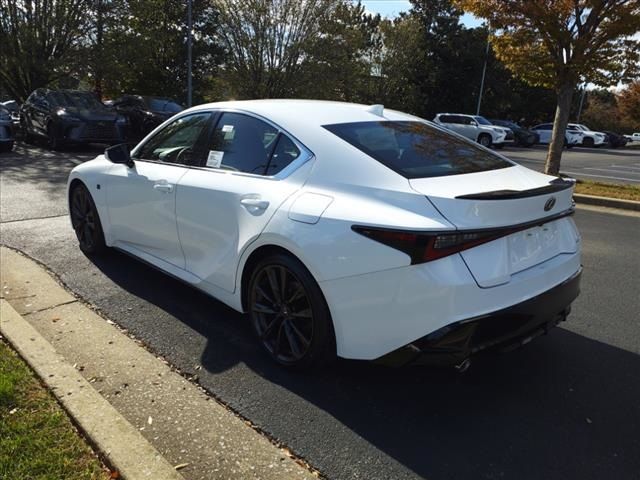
column 86, row 221
column 485, row 140
column 289, row 314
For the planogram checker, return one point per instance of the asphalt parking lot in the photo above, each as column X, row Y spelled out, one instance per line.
column 620, row 165
column 565, row 407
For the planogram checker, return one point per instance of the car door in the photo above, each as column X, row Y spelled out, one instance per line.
column 544, row 131
column 142, row 199
column 248, row 172
column 39, row 114
column 448, row 121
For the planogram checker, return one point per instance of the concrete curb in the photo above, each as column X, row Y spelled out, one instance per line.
column 115, row 438
column 606, row 202
column 198, row 434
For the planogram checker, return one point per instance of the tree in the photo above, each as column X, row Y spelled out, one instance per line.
column 561, row 43
column 39, row 42
column 629, row 106
column 143, row 48
column 395, row 75
column 266, row 42
column 337, row 64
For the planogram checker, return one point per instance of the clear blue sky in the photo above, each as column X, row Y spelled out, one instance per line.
column 391, row 8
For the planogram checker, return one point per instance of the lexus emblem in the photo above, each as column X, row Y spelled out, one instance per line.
column 549, row 204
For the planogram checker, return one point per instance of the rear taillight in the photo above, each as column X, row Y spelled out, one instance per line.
column 425, row 247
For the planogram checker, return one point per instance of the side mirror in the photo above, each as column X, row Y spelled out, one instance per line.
column 474, row 123
column 119, row 154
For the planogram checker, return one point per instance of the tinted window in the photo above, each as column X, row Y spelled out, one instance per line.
column 482, row 121
column 284, row 153
column 416, row 150
column 446, row 118
column 242, row 143
column 163, row 105
column 175, row 143
column 461, row 120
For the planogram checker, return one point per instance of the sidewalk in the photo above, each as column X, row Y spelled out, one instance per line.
column 160, row 419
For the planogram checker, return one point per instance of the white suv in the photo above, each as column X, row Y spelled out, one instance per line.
column 589, row 138
column 572, row 135
column 475, row 128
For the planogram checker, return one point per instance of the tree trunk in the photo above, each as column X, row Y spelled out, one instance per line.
column 565, row 93
column 99, row 49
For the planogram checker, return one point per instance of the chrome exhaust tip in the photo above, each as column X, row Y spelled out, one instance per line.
column 463, row 366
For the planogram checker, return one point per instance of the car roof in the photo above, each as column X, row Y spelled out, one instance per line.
column 304, row 118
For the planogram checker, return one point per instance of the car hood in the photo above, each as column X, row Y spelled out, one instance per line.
column 91, row 115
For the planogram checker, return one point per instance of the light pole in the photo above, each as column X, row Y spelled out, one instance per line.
column 584, row 90
column 484, row 72
column 189, row 42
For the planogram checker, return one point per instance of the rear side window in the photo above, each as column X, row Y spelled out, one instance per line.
column 417, row 150
column 246, row 144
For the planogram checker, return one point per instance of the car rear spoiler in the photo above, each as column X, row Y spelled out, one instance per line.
column 554, row 186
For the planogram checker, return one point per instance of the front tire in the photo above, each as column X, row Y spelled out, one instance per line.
column 485, row 140
column 53, row 142
column 289, row 314
column 86, row 221
column 588, row 143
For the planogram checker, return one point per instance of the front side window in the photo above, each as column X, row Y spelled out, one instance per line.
column 241, row 143
column 176, row 143
column 417, row 150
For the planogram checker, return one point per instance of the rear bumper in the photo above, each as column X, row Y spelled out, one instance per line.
column 506, row 328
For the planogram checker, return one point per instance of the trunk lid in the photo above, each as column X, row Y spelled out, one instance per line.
column 504, row 198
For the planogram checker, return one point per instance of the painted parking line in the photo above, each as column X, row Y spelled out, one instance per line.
column 627, row 166
column 635, row 180
column 613, row 171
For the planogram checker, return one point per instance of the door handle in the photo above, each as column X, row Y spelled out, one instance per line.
column 255, row 203
column 163, row 187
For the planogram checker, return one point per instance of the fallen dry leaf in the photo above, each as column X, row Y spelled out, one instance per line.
column 181, row 465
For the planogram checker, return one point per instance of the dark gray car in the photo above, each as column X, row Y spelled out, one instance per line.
column 6, row 130
column 70, row 117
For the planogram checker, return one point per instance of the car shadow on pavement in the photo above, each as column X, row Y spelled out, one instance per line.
column 565, row 406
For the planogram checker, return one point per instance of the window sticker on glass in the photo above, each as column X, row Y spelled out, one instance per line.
column 228, row 131
column 214, row 160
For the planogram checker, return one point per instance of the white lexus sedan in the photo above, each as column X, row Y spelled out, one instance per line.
column 340, row 229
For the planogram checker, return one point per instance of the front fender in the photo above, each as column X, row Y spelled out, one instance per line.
column 94, row 175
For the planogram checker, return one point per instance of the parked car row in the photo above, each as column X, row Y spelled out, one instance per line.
column 63, row 117
column 66, row 117
column 6, row 130
column 497, row 133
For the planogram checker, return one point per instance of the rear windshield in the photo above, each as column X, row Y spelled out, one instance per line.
column 417, row 150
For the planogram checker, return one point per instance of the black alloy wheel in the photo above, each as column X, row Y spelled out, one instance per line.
column 588, row 142
column 86, row 221
column 289, row 314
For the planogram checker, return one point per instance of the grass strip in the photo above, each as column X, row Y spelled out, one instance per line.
column 611, row 190
column 37, row 439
